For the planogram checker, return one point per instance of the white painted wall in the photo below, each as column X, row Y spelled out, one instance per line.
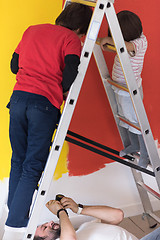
column 113, row 185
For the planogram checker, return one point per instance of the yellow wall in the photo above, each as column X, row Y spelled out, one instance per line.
column 15, row 17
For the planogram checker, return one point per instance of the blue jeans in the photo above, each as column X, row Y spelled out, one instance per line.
column 32, row 123
column 155, row 235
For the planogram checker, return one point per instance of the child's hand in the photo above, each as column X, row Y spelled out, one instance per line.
column 104, row 42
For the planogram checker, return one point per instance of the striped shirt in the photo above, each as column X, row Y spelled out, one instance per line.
column 140, row 45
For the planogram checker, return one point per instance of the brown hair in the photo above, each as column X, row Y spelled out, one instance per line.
column 39, row 238
column 130, row 25
column 55, row 234
column 75, row 16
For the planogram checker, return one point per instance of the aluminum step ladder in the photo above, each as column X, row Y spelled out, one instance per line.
column 143, row 126
column 101, row 8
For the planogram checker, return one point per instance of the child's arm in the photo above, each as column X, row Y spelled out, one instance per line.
column 104, row 42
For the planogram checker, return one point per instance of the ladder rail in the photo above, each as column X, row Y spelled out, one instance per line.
column 150, row 190
column 144, row 198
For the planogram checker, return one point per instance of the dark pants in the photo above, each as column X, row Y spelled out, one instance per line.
column 32, row 123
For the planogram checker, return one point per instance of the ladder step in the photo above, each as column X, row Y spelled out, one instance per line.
column 128, row 122
column 117, row 85
column 148, row 189
column 88, row 3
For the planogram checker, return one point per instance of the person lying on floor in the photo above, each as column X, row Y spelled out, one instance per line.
column 103, row 227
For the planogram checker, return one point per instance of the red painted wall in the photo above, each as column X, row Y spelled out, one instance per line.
column 93, row 117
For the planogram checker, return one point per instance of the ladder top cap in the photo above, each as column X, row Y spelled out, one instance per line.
column 88, row 3
column 91, row 3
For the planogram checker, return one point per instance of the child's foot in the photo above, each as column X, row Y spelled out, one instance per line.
column 122, row 153
column 136, row 155
column 143, row 162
